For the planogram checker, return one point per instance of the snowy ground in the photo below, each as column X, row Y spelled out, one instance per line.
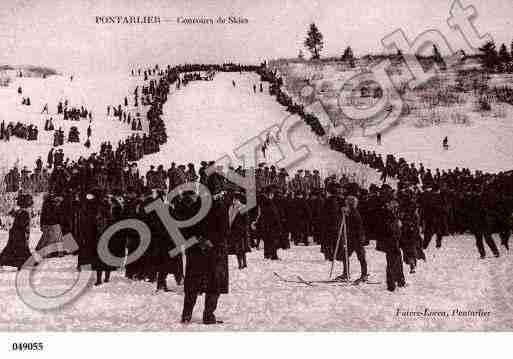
column 208, row 119
column 94, row 92
column 484, row 144
column 452, row 278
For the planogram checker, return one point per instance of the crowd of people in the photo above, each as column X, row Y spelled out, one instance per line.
column 20, row 130
column 71, row 113
column 86, row 196
column 457, row 200
column 454, row 201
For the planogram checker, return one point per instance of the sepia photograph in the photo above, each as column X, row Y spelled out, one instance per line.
column 255, row 166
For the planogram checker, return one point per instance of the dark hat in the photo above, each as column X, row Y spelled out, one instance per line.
column 236, row 194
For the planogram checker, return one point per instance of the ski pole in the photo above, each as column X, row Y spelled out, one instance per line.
column 336, row 247
column 346, row 244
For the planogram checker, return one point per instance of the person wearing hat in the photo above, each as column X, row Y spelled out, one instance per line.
column 150, row 180
column 316, row 204
column 50, row 223
column 410, row 241
column 158, row 263
column 238, row 241
column 270, row 223
column 160, row 179
column 282, row 179
column 307, row 181
column 181, row 177
column 190, row 174
column 17, row 251
column 390, row 244
column 302, row 220
column 203, row 172
column 431, row 213
column 316, row 180
column 172, row 176
column 92, row 223
column 207, row 261
column 356, row 241
column 330, row 221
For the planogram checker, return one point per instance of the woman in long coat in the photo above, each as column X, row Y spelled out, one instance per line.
column 17, row 251
column 94, row 220
column 238, row 241
column 159, row 258
column 410, row 241
column 50, row 227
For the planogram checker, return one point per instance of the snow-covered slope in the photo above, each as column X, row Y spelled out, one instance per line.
column 94, row 92
column 209, row 119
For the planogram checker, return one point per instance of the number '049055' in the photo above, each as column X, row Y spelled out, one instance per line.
column 27, row 346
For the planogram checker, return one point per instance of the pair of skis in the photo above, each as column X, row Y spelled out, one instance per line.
column 342, row 236
column 312, row 283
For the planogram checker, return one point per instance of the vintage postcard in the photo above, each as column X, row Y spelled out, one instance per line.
column 255, row 166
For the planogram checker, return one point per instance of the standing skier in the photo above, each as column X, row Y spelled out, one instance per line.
column 355, row 239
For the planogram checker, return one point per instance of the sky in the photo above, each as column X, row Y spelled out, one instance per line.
column 64, row 34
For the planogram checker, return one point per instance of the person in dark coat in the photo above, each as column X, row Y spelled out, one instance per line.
column 17, row 251
column 270, row 224
column 432, row 216
column 303, row 218
column 390, row 244
column 93, row 221
column 50, row 224
column 488, row 204
column 356, row 241
column 282, row 203
column 475, row 218
column 316, row 203
column 410, row 241
column 207, row 262
column 133, row 209
column 159, row 258
column 330, row 222
column 238, row 241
